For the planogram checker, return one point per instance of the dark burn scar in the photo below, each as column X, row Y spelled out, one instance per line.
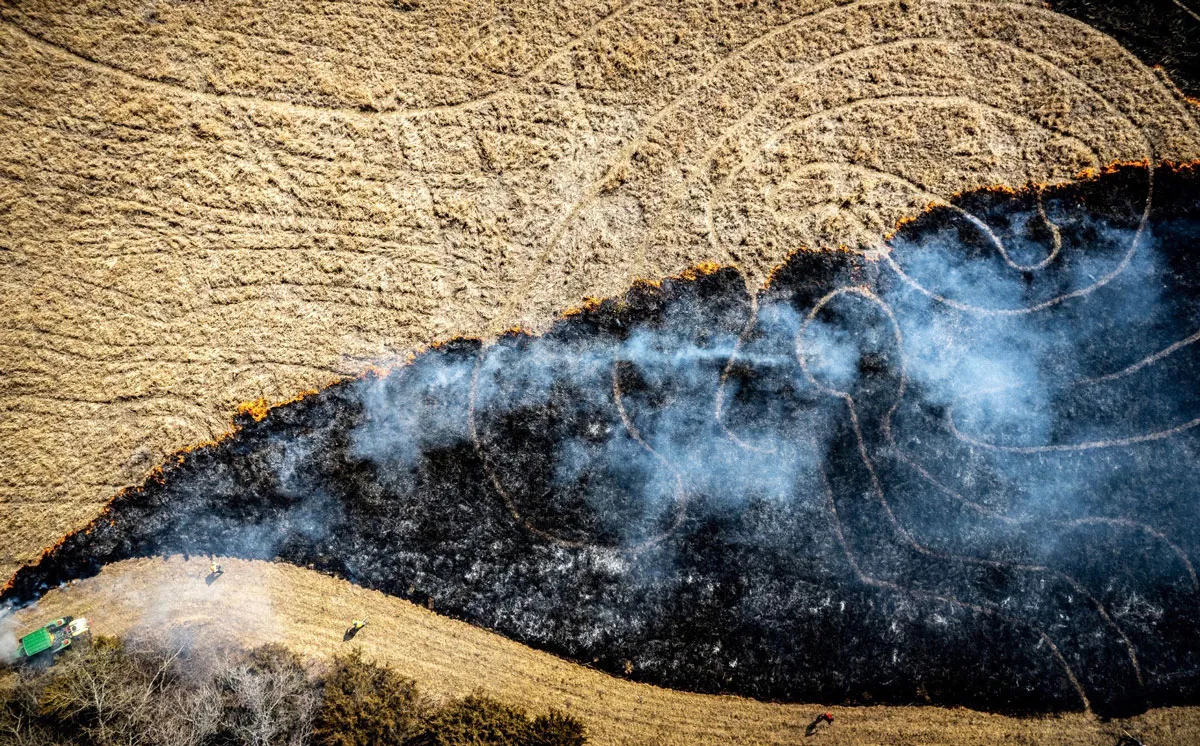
column 963, row 473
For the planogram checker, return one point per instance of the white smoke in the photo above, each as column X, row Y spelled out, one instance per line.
column 9, row 642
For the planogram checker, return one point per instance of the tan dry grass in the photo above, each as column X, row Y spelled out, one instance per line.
column 205, row 203
column 260, row 602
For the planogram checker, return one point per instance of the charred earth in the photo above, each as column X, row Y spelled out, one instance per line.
column 1160, row 32
column 960, row 469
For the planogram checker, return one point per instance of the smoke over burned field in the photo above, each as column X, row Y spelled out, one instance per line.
column 963, row 471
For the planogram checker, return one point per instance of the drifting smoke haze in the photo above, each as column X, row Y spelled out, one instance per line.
column 834, row 490
column 9, row 647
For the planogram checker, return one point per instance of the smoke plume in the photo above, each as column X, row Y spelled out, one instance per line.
column 962, row 473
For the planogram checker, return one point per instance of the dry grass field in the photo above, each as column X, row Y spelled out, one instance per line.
column 264, row 602
column 205, row 203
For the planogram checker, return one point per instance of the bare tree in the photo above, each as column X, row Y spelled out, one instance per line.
column 119, row 698
column 97, row 690
column 19, row 724
column 187, row 716
column 22, row 729
column 270, row 699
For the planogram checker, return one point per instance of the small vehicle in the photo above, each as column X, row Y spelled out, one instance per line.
column 55, row 637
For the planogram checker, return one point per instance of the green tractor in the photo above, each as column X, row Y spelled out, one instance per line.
column 49, row 641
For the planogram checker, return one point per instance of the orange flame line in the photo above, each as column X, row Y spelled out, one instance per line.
column 260, row 408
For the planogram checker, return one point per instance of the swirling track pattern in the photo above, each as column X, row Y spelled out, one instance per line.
column 208, row 203
column 830, row 490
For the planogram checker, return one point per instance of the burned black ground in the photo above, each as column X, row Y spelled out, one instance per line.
column 952, row 475
column 1160, row 32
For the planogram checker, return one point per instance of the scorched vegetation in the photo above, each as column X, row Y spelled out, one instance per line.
column 961, row 471
column 151, row 694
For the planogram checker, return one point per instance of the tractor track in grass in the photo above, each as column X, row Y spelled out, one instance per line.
column 182, row 236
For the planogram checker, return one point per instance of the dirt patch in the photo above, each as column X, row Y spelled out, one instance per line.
column 208, row 203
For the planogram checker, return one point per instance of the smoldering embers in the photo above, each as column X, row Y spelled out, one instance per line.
column 955, row 475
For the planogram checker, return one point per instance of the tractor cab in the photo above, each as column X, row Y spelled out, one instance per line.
column 53, row 638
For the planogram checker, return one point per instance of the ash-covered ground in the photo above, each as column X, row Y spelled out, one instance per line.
column 962, row 472
column 1161, row 33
